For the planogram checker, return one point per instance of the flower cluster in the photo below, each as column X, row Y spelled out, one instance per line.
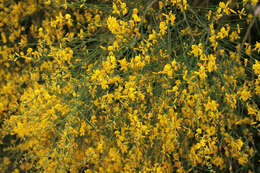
column 128, row 86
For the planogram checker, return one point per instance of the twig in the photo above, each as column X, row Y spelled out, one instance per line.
column 185, row 18
column 201, row 23
column 247, row 33
column 142, row 20
column 191, row 10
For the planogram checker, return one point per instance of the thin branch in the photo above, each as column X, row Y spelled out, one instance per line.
column 247, row 34
column 142, row 20
column 185, row 19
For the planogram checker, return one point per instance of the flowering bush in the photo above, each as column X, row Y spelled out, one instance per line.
column 129, row 86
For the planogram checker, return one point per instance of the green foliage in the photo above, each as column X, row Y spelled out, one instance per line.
column 129, row 86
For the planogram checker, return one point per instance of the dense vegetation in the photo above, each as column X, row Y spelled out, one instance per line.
column 129, row 86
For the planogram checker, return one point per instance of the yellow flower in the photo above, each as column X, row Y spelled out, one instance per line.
column 244, row 93
column 97, row 18
column 16, row 171
column 212, row 63
column 3, row 37
column 218, row 161
column 135, row 15
column 172, row 18
column 224, row 7
column 257, row 47
column 256, row 68
column 115, row 10
column 254, row 2
column 136, row 18
column 163, row 27
column 152, row 37
column 123, row 64
column 242, row 160
column 241, row 13
column 202, row 73
column 168, row 70
column 112, row 24
column 209, row 14
column 6, row 161
column 248, row 49
column 197, row 50
column 234, row 36
column 223, row 33
column 211, row 105
column 124, row 8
